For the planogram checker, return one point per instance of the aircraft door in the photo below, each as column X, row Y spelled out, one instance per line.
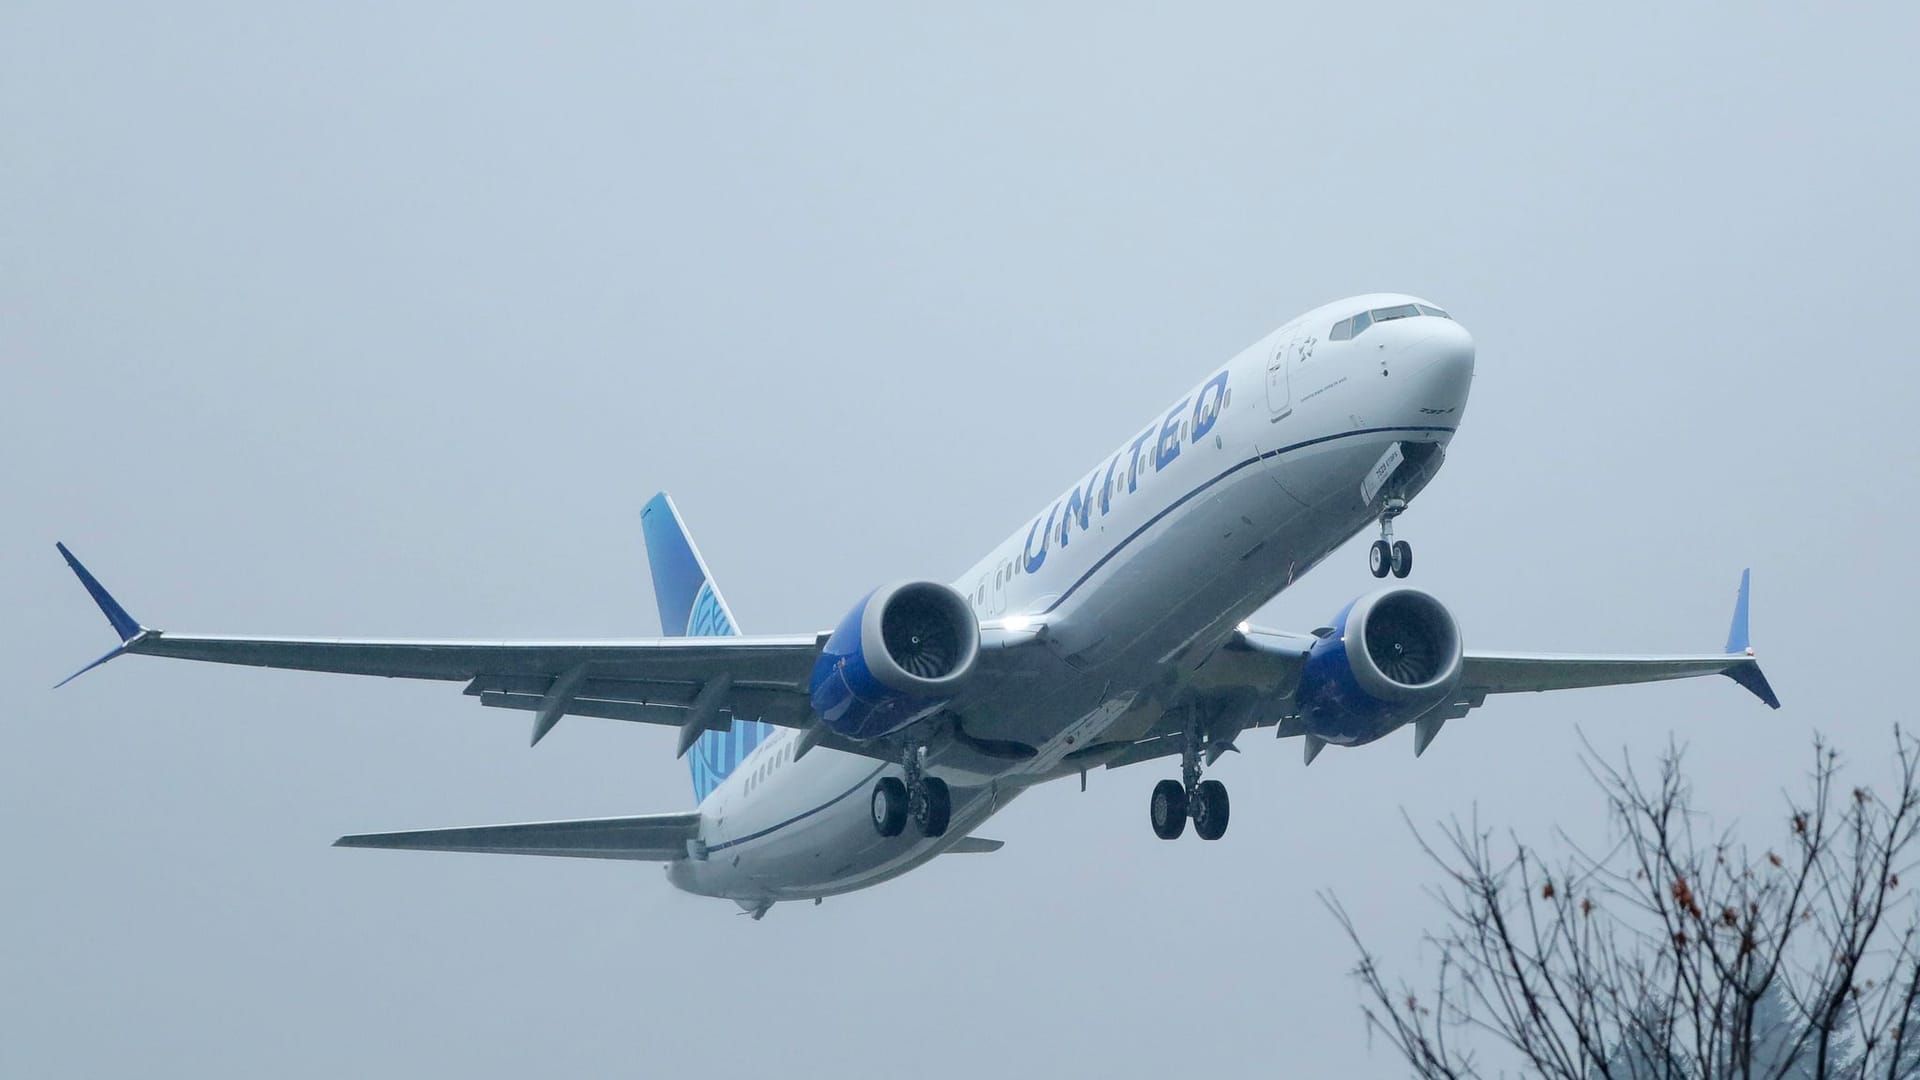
column 1279, row 392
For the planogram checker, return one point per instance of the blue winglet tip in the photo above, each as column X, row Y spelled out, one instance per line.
column 1738, row 639
column 1740, row 642
column 124, row 624
column 121, row 648
column 1749, row 675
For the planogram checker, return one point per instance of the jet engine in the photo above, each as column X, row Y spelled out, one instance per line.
column 1387, row 660
column 900, row 654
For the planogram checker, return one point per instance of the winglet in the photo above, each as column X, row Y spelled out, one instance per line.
column 1748, row 674
column 1747, row 671
column 124, row 624
column 1738, row 640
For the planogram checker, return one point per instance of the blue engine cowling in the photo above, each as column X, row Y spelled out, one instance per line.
column 897, row 656
column 1392, row 656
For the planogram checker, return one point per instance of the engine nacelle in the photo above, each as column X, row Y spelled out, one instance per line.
column 1392, row 657
column 897, row 656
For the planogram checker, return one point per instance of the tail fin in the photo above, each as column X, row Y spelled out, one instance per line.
column 691, row 606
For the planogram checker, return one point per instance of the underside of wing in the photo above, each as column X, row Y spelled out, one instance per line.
column 1509, row 673
column 654, row 837
column 1308, row 684
column 694, row 684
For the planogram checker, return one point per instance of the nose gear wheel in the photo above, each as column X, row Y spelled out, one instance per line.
column 1402, row 558
column 1387, row 555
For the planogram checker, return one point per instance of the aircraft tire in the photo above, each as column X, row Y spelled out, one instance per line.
column 1210, row 815
column 1168, row 809
column 1380, row 558
column 936, row 807
column 889, row 806
column 1402, row 558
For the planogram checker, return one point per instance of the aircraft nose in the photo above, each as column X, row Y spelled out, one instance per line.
column 1438, row 368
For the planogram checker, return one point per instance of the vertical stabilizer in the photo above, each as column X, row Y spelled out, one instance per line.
column 691, row 606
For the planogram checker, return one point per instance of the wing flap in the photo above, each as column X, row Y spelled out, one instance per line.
column 650, row 838
column 669, row 715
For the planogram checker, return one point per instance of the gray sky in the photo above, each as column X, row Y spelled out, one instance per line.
column 353, row 320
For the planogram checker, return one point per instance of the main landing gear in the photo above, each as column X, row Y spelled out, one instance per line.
column 925, row 799
column 1387, row 555
column 1174, row 801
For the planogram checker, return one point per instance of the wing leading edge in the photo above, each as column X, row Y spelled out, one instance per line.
column 647, row 680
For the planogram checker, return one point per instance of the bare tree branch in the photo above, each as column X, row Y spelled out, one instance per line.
column 1676, row 950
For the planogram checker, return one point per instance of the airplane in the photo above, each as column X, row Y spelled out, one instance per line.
column 1109, row 629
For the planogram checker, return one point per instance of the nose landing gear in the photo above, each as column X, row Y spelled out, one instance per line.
column 1387, row 555
column 1174, row 801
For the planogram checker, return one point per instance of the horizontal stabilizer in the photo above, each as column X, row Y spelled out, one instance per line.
column 653, row 837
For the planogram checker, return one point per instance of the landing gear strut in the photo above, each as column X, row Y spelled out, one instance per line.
column 925, row 799
column 1387, row 555
column 1174, row 801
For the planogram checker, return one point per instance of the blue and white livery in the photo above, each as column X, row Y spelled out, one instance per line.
column 1108, row 629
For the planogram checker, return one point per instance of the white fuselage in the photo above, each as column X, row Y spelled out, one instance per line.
column 1205, row 513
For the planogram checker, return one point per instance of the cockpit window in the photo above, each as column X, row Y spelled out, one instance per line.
column 1355, row 325
column 1350, row 327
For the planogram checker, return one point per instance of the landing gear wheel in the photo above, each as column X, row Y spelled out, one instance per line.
column 935, row 807
column 1210, row 810
column 1169, row 809
column 1402, row 559
column 1380, row 558
column 889, row 806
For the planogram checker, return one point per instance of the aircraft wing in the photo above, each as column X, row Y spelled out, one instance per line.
column 693, row 684
column 1510, row 673
column 653, row 837
column 1253, row 676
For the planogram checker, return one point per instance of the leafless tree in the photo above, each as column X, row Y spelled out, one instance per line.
column 1677, row 951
